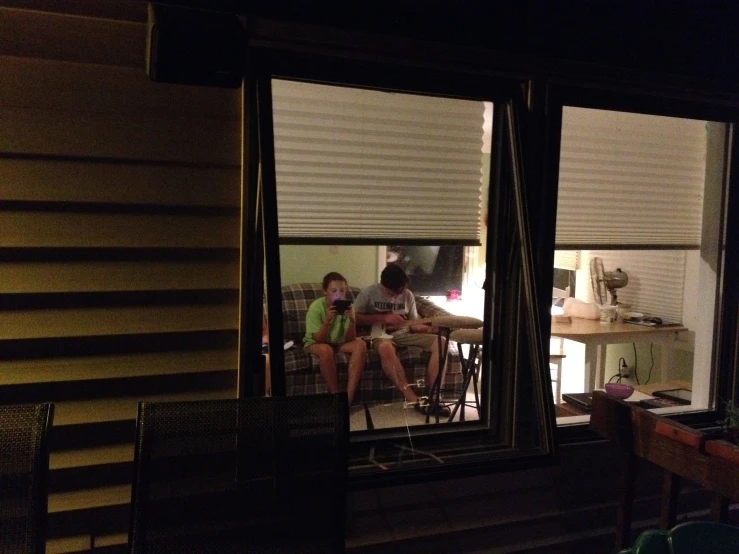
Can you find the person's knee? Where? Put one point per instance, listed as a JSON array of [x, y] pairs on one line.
[[323, 352], [359, 346], [386, 349]]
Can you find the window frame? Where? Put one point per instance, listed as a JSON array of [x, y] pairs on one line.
[[654, 99], [587, 80], [509, 451]]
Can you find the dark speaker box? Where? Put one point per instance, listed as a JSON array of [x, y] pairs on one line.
[[194, 47]]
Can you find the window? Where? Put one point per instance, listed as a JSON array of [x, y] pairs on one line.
[[349, 163], [644, 193], [518, 249]]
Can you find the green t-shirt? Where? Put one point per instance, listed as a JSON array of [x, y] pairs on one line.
[[314, 319]]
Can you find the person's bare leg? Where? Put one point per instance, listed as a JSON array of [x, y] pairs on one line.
[[357, 351], [433, 367], [326, 362], [394, 369], [267, 377]]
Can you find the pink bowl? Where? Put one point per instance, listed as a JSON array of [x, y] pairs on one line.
[[619, 391]]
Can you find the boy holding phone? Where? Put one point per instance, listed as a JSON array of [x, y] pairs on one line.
[[330, 327]]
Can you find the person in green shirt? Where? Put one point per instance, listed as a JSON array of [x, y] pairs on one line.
[[327, 331]]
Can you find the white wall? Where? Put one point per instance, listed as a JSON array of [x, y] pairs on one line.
[[309, 263]]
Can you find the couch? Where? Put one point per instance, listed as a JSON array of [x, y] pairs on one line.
[[302, 373]]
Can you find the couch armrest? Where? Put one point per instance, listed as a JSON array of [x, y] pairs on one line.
[[426, 308]]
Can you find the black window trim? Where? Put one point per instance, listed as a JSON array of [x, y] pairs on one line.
[[501, 454], [671, 102], [625, 92]]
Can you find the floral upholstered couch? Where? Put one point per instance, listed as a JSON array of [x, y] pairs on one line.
[[302, 374]]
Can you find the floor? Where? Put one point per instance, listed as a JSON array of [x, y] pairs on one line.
[[387, 416]]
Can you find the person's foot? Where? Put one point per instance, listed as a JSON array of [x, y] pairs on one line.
[[434, 409]]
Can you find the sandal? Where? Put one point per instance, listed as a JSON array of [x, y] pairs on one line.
[[434, 409]]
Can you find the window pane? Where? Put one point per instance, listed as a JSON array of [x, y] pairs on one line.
[[302, 270], [380, 167], [639, 195], [409, 172]]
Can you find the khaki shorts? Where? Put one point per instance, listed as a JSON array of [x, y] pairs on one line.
[[424, 341]]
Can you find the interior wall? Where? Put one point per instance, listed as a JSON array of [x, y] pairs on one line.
[[309, 263]]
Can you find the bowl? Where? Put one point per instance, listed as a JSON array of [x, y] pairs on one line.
[[619, 390]]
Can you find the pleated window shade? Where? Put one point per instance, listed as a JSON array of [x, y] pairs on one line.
[[363, 164], [656, 279], [630, 179], [567, 259]]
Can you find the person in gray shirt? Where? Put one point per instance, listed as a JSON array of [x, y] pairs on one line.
[[386, 306]]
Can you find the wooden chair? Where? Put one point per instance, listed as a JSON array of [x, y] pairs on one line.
[[556, 349], [255, 475], [24, 467]]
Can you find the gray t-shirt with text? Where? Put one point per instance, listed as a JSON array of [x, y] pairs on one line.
[[374, 300]]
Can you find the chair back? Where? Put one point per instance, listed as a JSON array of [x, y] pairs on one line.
[[24, 466], [694, 537], [255, 475]]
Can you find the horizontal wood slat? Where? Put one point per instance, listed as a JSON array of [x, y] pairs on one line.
[[124, 10], [46, 370], [93, 512], [64, 277], [64, 37], [116, 543], [64, 230], [124, 408], [109, 454], [65, 391], [30, 324], [92, 435], [80, 181], [103, 89], [119, 136], [90, 476], [119, 238], [93, 498]]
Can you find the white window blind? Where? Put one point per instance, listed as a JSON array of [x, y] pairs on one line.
[[567, 259], [656, 279], [354, 163], [630, 179]]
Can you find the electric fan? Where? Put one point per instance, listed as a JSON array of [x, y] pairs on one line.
[[603, 281]]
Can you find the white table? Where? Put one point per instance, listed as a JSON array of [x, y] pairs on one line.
[[596, 335]]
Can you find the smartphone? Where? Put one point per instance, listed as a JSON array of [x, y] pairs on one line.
[[341, 305]]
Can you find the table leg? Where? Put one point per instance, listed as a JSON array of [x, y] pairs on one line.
[[626, 500], [469, 370], [670, 497], [435, 392], [592, 352], [600, 367]]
